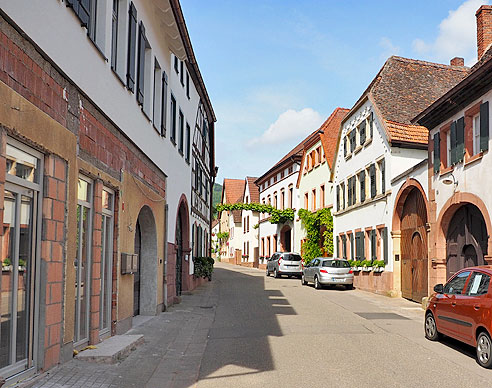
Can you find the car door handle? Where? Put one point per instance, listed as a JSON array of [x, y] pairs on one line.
[[476, 307]]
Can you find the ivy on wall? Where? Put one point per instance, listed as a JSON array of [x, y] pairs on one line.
[[277, 216], [313, 223]]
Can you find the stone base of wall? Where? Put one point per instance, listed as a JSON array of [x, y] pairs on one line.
[[247, 264], [262, 266], [377, 282]]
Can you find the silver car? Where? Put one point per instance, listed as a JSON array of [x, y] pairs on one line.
[[327, 271], [284, 263]]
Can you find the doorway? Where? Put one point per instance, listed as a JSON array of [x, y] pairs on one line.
[[136, 275], [285, 239], [179, 257]]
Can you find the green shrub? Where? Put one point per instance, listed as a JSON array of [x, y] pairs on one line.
[[6, 262], [366, 263], [204, 267]]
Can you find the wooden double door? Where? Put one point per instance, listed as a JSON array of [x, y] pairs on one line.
[[466, 240], [414, 259]]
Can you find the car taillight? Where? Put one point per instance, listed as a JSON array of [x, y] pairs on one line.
[[323, 270], [350, 271], [279, 261]]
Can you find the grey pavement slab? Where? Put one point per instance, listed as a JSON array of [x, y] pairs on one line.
[[112, 349]]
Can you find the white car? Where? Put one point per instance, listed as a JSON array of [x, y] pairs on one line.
[[328, 271]]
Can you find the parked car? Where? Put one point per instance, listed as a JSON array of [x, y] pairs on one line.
[[462, 309], [328, 271], [284, 263]]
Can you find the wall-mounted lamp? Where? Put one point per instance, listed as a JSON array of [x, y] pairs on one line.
[[450, 180]]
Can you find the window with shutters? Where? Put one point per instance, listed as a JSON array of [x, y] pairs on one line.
[[476, 134], [447, 161], [362, 132], [353, 141], [181, 133], [132, 48], [157, 103], [344, 246], [373, 245], [372, 179], [173, 120], [349, 192], [476, 129]]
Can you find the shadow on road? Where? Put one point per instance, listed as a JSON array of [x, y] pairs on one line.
[[246, 316]]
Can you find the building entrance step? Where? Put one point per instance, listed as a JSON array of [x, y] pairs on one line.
[[112, 350]]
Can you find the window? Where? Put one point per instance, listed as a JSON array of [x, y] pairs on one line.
[[382, 171], [313, 197], [362, 180], [306, 201], [455, 285], [476, 134], [188, 85], [157, 104], [373, 245], [275, 200], [188, 142], [164, 104], [176, 64], [448, 148], [322, 196], [372, 177], [352, 139], [132, 46], [478, 284], [173, 120], [362, 132], [181, 75], [359, 246], [247, 224], [244, 225], [342, 199], [106, 259], [338, 197], [263, 246], [144, 68], [291, 194], [282, 199], [181, 132], [344, 248], [114, 34]]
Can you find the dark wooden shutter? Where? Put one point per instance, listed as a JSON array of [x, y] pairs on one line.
[[362, 246], [372, 176], [132, 46], [373, 245], [141, 64], [337, 250], [349, 191], [344, 146], [453, 142], [352, 252], [484, 126], [344, 246], [84, 11], [371, 122], [460, 139], [362, 186], [362, 132], [385, 245], [383, 176], [437, 152], [164, 104], [354, 189], [357, 246]]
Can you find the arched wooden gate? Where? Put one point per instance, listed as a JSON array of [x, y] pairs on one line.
[[414, 262]]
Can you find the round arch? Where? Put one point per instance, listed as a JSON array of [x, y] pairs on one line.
[[401, 197], [286, 238], [182, 246], [147, 262]]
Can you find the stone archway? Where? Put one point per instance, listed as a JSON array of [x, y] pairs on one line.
[[182, 247], [147, 250], [286, 239]]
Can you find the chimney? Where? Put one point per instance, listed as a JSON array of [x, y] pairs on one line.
[[484, 29], [457, 61]]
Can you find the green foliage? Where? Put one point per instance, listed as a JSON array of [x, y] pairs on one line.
[[256, 226], [366, 263], [378, 263], [204, 267], [357, 263], [277, 216], [22, 263], [216, 198], [6, 262], [313, 222], [223, 236]]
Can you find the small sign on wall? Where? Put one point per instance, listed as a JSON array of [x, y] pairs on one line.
[[129, 263]]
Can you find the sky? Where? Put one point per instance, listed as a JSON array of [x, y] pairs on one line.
[[276, 69]]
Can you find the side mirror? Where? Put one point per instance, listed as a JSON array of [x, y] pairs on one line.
[[439, 288]]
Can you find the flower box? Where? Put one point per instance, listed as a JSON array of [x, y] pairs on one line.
[[367, 269], [7, 268], [356, 269]]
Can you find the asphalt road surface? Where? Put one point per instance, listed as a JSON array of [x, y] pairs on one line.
[[271, 332]]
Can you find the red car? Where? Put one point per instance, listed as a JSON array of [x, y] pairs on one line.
[[462, 309]]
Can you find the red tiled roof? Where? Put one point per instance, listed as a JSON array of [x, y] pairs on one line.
[[329, 137], [234, 191], [254, 190], [406, 133], [404, 87]]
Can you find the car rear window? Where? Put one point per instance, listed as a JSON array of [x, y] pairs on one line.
[[291, 257], [336, 263]]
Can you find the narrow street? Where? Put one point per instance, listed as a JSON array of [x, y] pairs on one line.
[[247, 330]]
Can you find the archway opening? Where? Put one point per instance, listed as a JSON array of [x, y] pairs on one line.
[[286, 239], [145, 281], [466, 239], [182, 247], [414, 260]]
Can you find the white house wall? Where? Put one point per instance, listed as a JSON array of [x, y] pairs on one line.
[[56, 30]]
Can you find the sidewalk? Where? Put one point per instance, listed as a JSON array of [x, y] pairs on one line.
[[174, 343]]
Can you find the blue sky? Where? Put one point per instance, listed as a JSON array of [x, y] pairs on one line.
[[276, 69]]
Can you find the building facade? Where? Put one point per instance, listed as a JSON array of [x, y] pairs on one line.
[[250, 221], [314, 182], [231, 221], [93, 234], [459, 142], [379, 145]]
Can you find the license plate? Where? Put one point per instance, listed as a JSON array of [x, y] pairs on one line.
[[337, 280]]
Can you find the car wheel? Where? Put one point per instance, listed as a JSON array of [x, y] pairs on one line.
[[317, 284], [431, 332], [267, 272], [303, 281], [275, 274], [484, 350], [349, 286]]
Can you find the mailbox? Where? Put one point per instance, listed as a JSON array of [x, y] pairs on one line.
[[129, 263]]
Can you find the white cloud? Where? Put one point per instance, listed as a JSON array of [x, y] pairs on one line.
[[388, 47], [456, 37], [289, 125]]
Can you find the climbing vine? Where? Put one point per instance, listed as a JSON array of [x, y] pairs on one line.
[[222, 236], [313, 223], [277, 216]]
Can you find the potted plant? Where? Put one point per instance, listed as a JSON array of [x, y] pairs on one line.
[[366, 265], [357, 265], [6, 265], [378, 265], [22, 265]]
